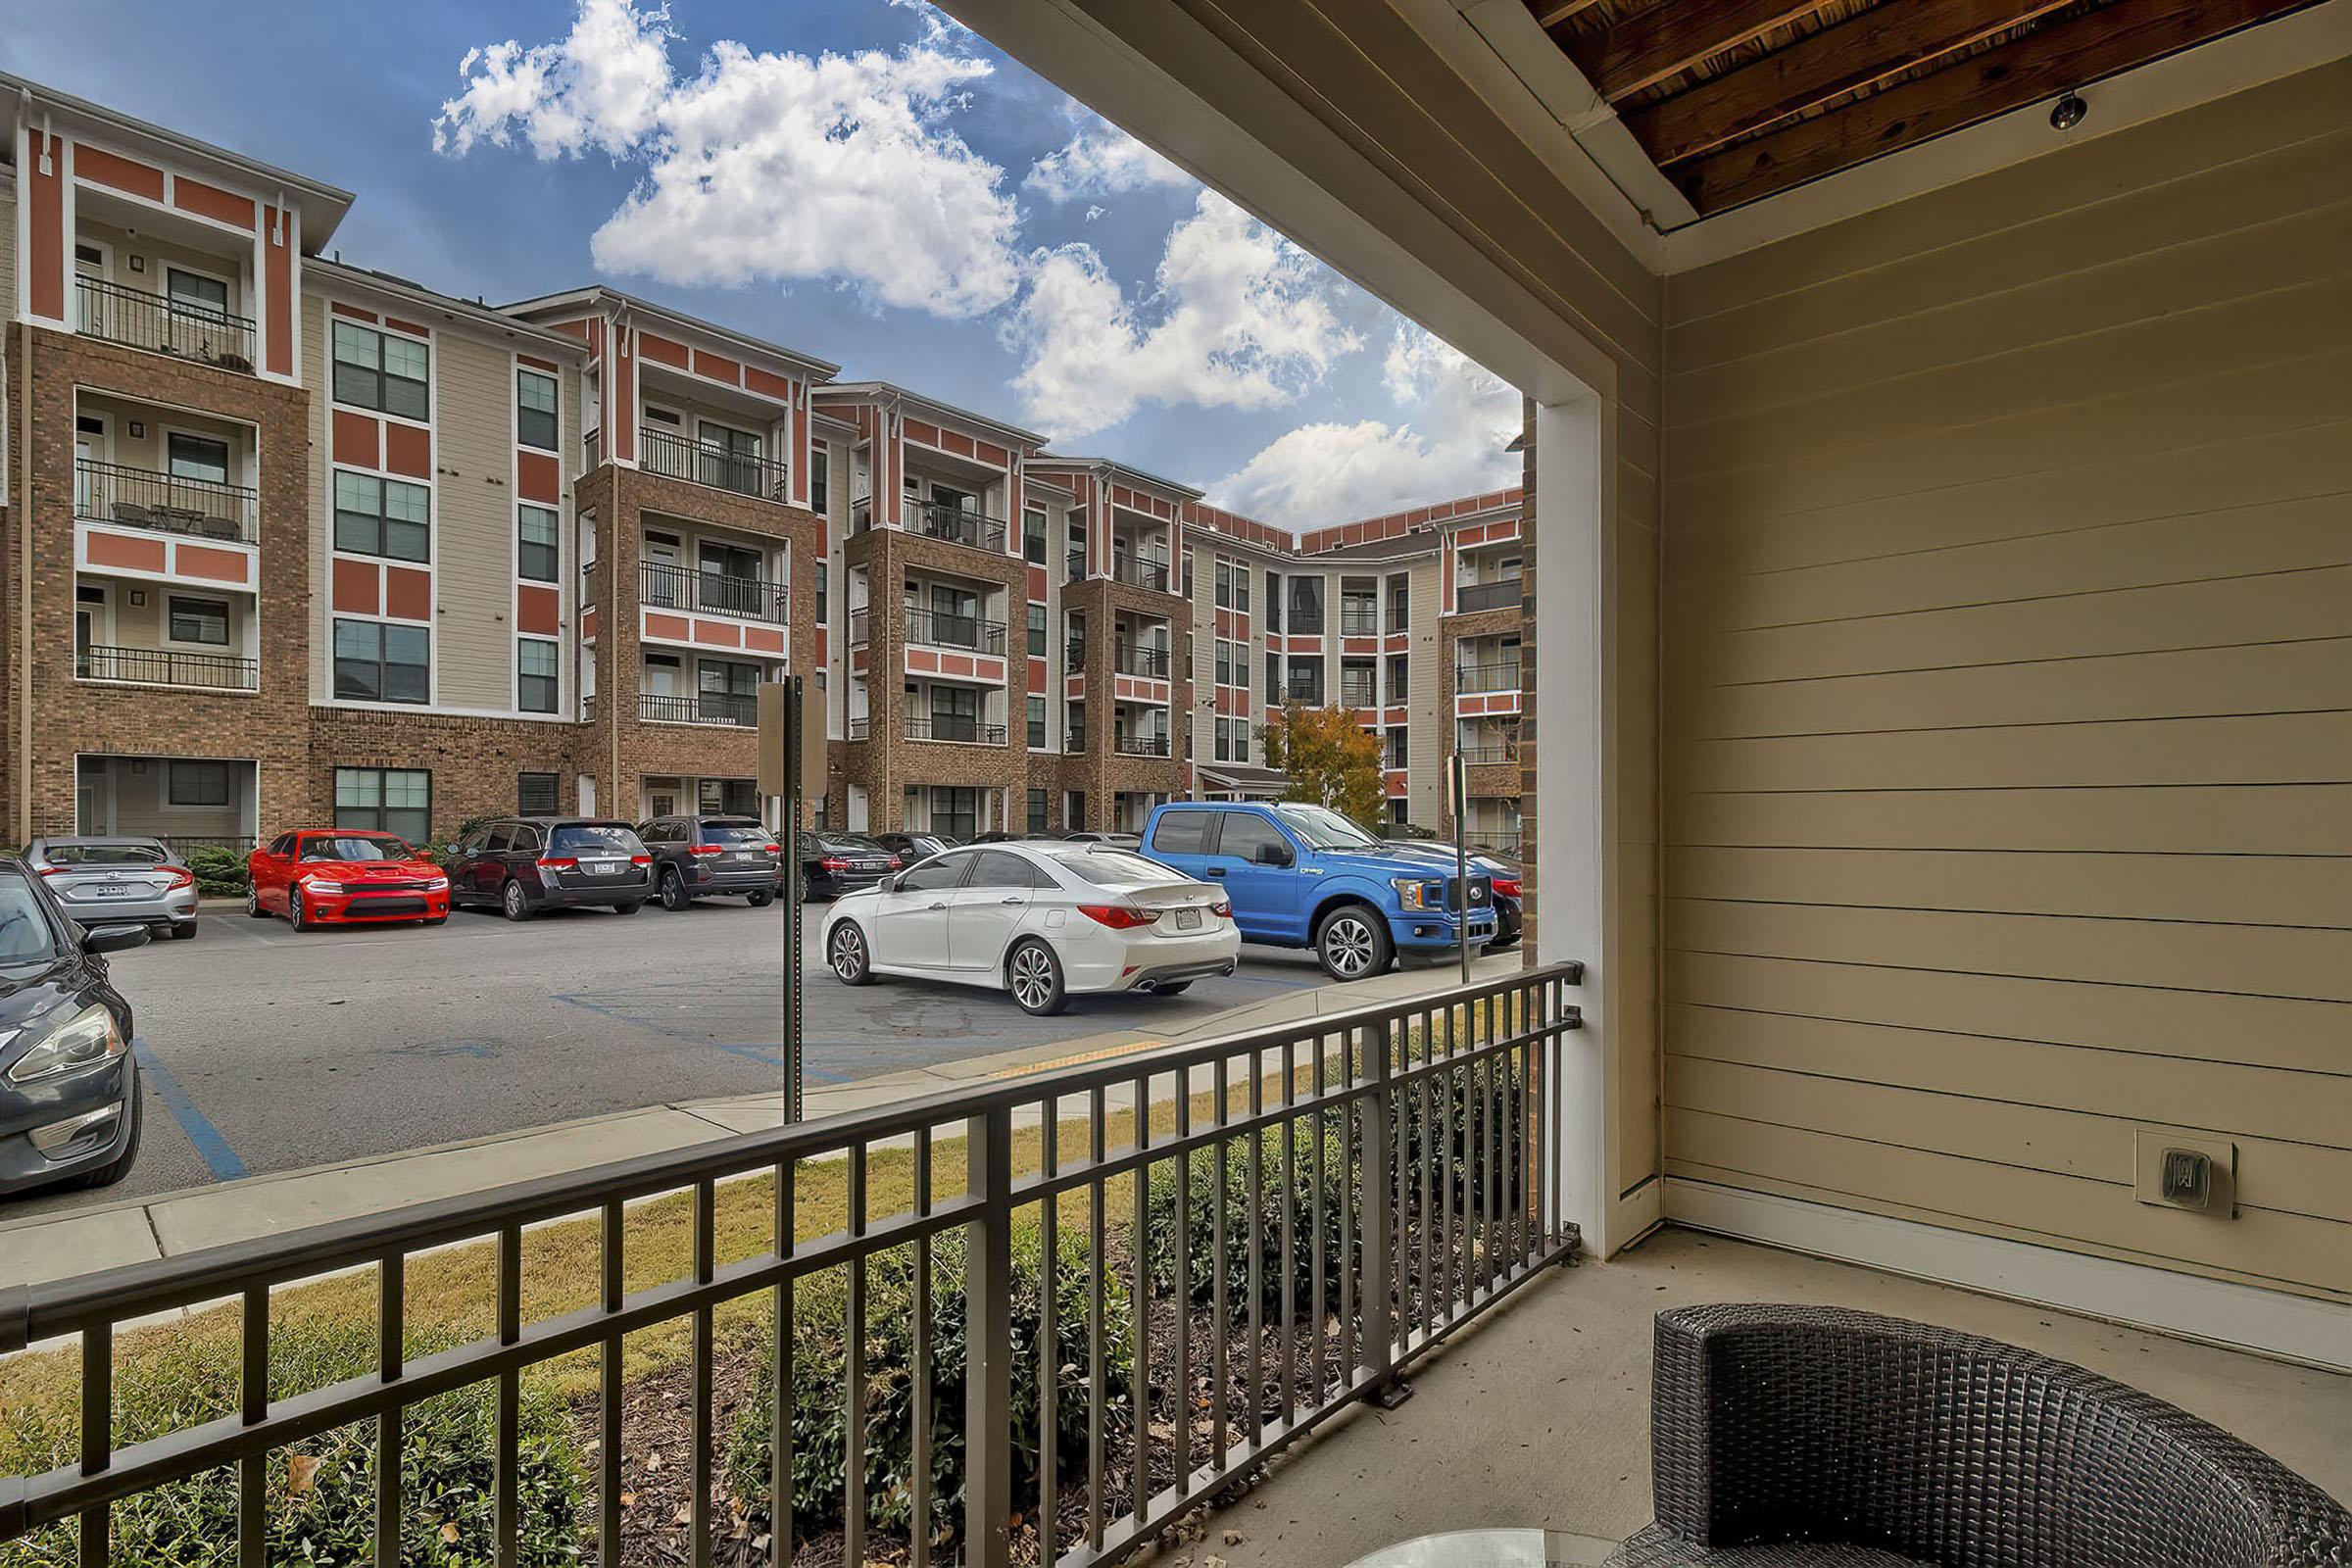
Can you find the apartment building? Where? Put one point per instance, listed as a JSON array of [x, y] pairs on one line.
[[289, 540]]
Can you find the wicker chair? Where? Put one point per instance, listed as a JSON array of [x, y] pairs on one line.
[[1799, 1437]]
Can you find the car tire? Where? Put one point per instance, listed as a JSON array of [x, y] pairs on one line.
[[1033, 975], [253, 906], [513, 902], [759, 900], [294, 914], [673, 890], [1352, 943], [629, 908], [847, 957], [119, 1167], [185, 931]]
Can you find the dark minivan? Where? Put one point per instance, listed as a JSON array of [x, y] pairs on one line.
[[523, 864], [706, 857]]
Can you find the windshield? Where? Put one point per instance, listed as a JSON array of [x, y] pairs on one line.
[[734, 833], [596, 837], [1116, 868], [1323, 828], [26, 934], [356, 847], [102, 855]]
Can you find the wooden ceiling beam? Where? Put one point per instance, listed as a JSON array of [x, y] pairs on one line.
[[1673, 36], [1550, 14], [1884, 41], [2042, 65]]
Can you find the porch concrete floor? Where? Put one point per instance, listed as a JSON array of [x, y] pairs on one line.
[[1540, 1415]]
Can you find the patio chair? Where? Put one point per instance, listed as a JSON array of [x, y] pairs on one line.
[[1801, 1437]]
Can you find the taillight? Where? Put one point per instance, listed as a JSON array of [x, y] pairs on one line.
[[893, 862], [773, 849], [834, 863], [641, 859], [704, 849], [181, 877], [1506, 887], [1117, 917], [52, 870], [1222, 909], [567, 864]]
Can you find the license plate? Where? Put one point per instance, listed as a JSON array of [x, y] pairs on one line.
[[1188, 919], [110, 889], [601, 868]]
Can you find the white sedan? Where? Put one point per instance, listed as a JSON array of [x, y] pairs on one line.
[[1041, 920]]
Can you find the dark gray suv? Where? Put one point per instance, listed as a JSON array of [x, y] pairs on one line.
[[712, 857]]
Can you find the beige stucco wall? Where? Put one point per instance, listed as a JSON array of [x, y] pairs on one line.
[[2010, 579]]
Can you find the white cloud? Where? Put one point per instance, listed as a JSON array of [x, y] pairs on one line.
[[1239, 317], [764, 165], [1460, 418], [1101, 160]]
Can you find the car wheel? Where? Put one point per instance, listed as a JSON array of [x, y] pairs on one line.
[[512, 901], [629, 908], [1033, 974], [1352, 942], [183, 932], [846, 954], [253, 906], [294, 915], [673, 890], [115, 1169], [759, 900]]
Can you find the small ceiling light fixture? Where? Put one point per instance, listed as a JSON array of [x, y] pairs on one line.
[[2068, 111]]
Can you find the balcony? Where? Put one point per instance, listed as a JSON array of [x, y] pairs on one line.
[[933, 519], [959, 728], [165, 667], [1140, 571], [1471, 598], [940, 629], [1140, 659], [1357, 694], [1359, 619], [666, 587], [144, 498], [1493, 675], [1140, 745], [728, 709], [162, 324], [675, 456]]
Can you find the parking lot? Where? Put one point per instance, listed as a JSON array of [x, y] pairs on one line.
[[267, 1050]]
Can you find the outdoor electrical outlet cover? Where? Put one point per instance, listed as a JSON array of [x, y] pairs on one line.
[[2183, 1170]]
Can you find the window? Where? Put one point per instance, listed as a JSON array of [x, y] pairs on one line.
[[1183, 832], [1398, 683], [536, 529], [196, 293], [376, 662], [197, 784], [196, 457], [1077, 543], [199, 620], [819, 478], [1037, 811], [1000, 868], [1245, 834], [1307, 681], [535, 793], [385, 799], [535, 410], [824, 614], [955, 811], [535, 674], [1224, 582], [378, 370], [1073, 809], [1224, 741], [1397, 748], [1033, 535], [1037, 631], [935, 875], [1036, 723], [1224, 663], [1240, 740], [382, 516], [1400, 603], [1273, 677]]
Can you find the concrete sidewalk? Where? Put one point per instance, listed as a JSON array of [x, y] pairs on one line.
[[85, 1241]]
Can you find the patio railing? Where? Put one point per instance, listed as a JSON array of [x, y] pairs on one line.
[[144, 498], [663, 586], [1471, 598], [939, 628], [179, 327], [938, 519], [1246, 1234], [956, 727], [676, 457], [167, 666], [698, 708]]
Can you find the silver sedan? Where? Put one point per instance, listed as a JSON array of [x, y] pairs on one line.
[[118, 880]]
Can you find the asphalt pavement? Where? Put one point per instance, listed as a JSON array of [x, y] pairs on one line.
[[267, 1050]]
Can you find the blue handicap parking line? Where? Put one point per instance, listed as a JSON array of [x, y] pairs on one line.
[[213, 1149]]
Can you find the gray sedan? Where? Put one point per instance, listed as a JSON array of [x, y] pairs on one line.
[[118, 880]]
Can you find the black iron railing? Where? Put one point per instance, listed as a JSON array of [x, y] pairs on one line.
[[1492, 675], [676, 457], [1139, 745], [698, 708], [938, 519], [179, 328], [1140, 659], [1471, 598], [1360, 620], [1141, 572], [957, 727], [945, 629], [1489, 755], [143, 497], [1356, 694], [183, 844], [716, 593], [165, 667]]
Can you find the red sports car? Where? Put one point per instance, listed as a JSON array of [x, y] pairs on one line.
[[325, 876]]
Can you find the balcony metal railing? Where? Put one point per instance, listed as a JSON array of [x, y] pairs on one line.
[[179, 328], [1313, 1210], [860, 626], [1140, 659], [1139, 745], [943, 629], [1308, 692], [677, 457], [1491, 754], [698, 708], [1141, 572], [165, 666], [936, 520], [860, 727], [1355, 694], [957, 727], [1360, 620], [713, 593], [1471, 598], [1489, 675], [144, 498]]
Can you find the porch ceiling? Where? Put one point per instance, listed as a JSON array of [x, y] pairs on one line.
[[1736, 101]]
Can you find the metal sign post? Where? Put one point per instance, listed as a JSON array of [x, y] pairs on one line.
[[1457, 790], [782, 748]]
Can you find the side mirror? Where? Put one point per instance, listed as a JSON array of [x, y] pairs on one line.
[[889, 884], [114, 938], [1272, 855]]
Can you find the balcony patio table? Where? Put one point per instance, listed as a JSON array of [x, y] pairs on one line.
[[1495, 1548]]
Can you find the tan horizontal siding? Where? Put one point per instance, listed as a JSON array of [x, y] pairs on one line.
[[2008, 662], [473, 533]]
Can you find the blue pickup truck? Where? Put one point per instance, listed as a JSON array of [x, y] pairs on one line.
[[1302, 877]]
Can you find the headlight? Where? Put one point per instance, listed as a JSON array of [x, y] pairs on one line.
[[320, 885], [1415, 893], [436, 884], [85, 1040]]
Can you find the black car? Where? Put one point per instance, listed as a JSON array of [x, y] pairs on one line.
[[913, 847], [707, 857], [834, 863], [522, 864], [68, 1085]]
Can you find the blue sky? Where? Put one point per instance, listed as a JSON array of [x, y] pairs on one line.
[[858, 178]]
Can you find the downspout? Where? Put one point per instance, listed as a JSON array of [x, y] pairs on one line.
[[24, 822]]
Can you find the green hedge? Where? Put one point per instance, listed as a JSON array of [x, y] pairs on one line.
[[220, 872], [447, 1451], [819, 1398]]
